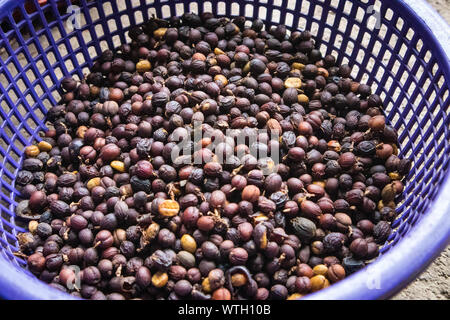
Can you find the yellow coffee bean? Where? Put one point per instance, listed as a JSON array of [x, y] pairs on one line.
[[160, 33], [293, 82], [118, 165], [295, 296], [94, 182], [238, 280], [319, 282], [81, 131], [298, 66], [206, 287], [44, 146], [143, 66], [169, 208], [320, 269], [160, 279], [323, 72], [221, 78], [32, 226], [395, 176], [218, 51], [319, 183], [302, 98], [32, 151], [188, 243]]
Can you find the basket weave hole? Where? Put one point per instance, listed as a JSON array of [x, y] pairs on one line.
[[355, 71], [348, 7], [318, 12], [69, 64], [291, 4], [124, 20], [73, 42], [30, 75], [399, 24], [92, 51], [331, 17], [22, 59], [262, 12], [207, 6], [116, 40], [410, 34], [305, 7], [138, 17], [343, 25], [59, 74], [193, 7], [112, 25], [302, 23], [396, 66], [334, 3], [389, 14], [179, 9], [275, 16], [411, 89], [289, 21], [338, 41], [418, 45], [12, 94], [107, 8], [444, 95], [366, 39], [412, 62], [379, 74], [48, 81], [166, 11], [402, 51], [79, 57], [393, 41], [51, 58], [427, 56], [44, 42], [435, 69], [235, 9], [100, 30], [30, 99], [277, 3], [12, 69]]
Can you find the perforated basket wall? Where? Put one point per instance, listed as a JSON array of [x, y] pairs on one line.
[[390, 48]]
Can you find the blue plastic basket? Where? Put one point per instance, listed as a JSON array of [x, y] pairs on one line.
[[401, 48]]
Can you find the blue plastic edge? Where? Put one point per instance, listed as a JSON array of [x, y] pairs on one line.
[[7, 6]]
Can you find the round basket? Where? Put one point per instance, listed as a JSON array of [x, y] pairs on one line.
[[400, 48]]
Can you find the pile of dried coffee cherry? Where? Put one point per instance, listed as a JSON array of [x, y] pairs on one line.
[[113, 215]]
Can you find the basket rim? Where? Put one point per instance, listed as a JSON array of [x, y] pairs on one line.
[[416, 250]]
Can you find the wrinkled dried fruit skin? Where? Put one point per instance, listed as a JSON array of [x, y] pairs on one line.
[[381, 232], [333, 242], [304, 228]]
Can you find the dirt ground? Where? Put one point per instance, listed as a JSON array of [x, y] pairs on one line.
[[434, 283]]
